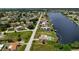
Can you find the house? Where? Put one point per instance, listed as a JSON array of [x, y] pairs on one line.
[[4, 18], [17, 23], [1, 46], [43, 38], [13, 24], [10, 29], [1, 34], [28, 24], [46, 28], [12, 46], [78, 17], [18, 28], [44, 23]]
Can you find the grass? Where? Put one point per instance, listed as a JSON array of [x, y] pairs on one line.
[[21, 48], [14, 36], [49, 46]]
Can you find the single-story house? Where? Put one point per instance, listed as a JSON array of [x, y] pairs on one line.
[[78, 17], [19, 28], [44, 23], [43, 38], [12, 46], [1, 46], [1, 34], [46, 28], [10, 29]]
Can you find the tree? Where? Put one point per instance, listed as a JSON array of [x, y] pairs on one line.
[[31, 26], [58, 46], [10, 40], [66, 47], [75, 45], [4, 27], [75, 19], [1, 15], [34, 20], [19, 37]]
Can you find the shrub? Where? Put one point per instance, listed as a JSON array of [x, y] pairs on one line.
[[66, 47]]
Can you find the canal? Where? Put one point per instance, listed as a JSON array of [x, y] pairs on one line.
[[66, 30]]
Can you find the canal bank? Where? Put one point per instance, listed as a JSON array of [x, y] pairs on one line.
[[66, 30]]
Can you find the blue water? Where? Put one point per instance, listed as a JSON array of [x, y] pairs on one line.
[[66, 30]]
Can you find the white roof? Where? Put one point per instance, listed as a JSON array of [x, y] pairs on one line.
[[43, 37], [45, 27], [10, 47], [1, 45]]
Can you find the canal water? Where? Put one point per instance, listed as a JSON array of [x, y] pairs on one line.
[[66, 30]]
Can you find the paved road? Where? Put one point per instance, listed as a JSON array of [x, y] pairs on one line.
[[18, 31], [29, 44]]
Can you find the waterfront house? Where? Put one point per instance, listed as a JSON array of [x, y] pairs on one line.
[[44, 23], [43, 38], [78, 17], [46, 28]]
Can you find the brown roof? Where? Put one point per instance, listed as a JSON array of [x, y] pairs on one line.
[[12, 46]]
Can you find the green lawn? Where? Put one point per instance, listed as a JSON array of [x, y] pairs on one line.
[[14, 36], [49, 46], [21, 48]]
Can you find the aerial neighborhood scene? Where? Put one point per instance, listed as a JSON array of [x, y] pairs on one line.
[[39, 29]]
